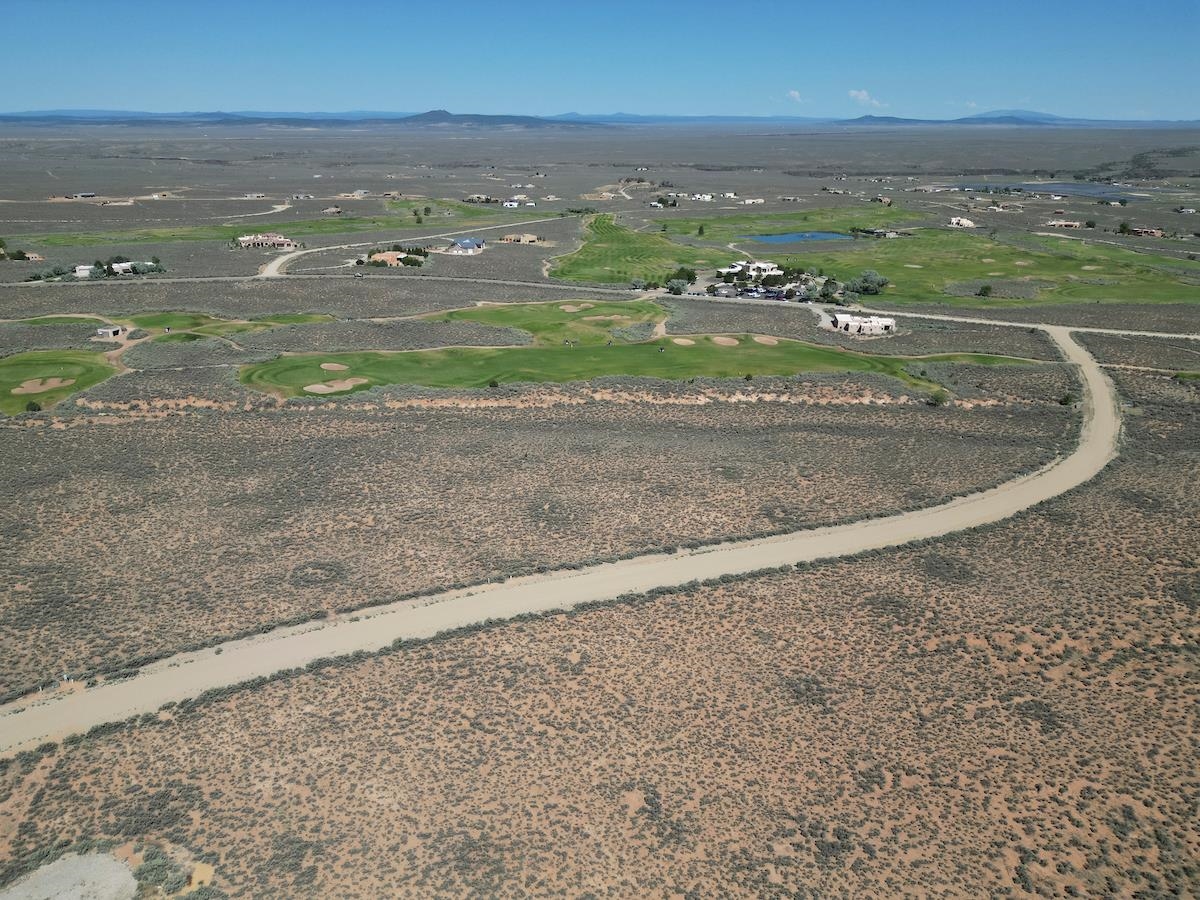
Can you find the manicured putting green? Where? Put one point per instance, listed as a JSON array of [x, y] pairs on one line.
[[47, 377], [595, 350]]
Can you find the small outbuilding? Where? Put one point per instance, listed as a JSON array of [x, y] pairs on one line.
[[109, 331], [520, 239]]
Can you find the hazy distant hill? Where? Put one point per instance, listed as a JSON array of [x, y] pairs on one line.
[[440, 118], [432, 119]]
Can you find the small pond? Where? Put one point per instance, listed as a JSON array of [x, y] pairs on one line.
[[795, 237]]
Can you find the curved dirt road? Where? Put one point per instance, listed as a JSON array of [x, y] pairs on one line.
[[27, 722]]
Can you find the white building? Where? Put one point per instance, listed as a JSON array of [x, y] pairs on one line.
[[84, 271], [270, 240], [754, 269], [255, 195], [870, 325], [109, 331], [1063, 223], [960, 222], [763, 269], [753, 201]]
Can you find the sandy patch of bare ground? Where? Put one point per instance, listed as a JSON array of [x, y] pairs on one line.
[[1005, 711]]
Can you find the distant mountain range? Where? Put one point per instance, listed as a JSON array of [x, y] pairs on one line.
[[440, 118]]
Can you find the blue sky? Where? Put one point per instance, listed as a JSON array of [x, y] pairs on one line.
[[1094, 58]]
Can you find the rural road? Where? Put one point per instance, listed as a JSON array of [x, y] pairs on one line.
[[29, 721]]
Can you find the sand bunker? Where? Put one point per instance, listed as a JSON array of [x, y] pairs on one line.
[[332, 387], [96, 876], [763, 339], [1090, 268], [995, 273], [576, 307], [41, 385], [334, 367], [987, 259], [683, 342], [1022, 262], [725, 341], [912, 266], [603, 318]]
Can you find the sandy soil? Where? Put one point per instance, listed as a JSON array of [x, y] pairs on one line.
[[41, 385], [683, 342], [188, 674], [600, 318], [764, 339], [333, 387], [334, 367], [575, 307], [725, 341], [92, 877]]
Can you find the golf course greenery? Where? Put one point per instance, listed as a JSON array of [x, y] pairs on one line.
[[733, 229], [925, 265], [183, 324], [46, 377], [613, 254], [578, 341]]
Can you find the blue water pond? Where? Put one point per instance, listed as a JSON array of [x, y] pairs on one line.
[[795, 237]]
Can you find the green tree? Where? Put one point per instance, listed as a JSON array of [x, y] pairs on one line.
[[700, 231], [985, 290]]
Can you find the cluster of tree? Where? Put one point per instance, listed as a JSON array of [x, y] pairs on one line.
[[102, 269], [869, 282], [666, 201], [5, 253], [1121, 202], [677, 282], [580, 211]]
